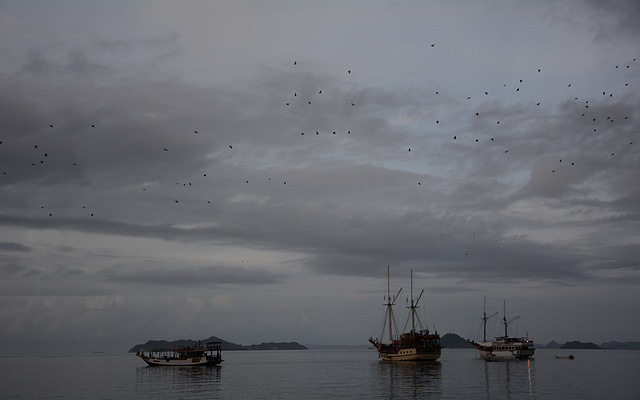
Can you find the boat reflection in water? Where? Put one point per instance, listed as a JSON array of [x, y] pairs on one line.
[[509, 380], [408, 379]]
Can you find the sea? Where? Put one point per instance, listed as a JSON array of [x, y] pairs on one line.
[[325, 374]]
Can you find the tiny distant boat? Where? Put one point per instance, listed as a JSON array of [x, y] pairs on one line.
[[196, 355], [569, 357], [414, 345], [503, 348]]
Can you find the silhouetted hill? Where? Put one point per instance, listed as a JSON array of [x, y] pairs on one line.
[[551, 345], [168, 345], [337, 346], [277, 346], [453, 341], [579, 345], [621, 346]]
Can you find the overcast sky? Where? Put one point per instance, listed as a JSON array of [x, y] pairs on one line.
[[249, 169]]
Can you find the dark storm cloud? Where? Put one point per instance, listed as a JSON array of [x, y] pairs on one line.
[[614, 18], [9, 268], [12, 246], [204, 276], [201, 146], [157, 146]]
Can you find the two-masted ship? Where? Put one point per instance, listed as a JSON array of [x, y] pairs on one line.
[[503, 348], [417, 344], [198, 354]]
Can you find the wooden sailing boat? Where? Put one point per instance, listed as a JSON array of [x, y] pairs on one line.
[[414, 345], [503, 348], [197, 355]]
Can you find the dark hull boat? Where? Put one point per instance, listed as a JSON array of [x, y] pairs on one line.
[[414, 345], [197, 355]]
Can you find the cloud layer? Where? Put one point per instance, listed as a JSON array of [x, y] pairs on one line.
[[254, 179]]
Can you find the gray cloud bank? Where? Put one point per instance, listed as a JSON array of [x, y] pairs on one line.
[[131, 191]]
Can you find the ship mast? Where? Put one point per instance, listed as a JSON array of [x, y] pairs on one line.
[[484, 320], [413, 308], [413, 314], [389, 304], [504, 317]]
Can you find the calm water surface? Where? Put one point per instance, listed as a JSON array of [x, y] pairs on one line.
[[325, 374]]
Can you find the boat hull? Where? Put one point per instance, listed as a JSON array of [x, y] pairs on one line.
[[504, 356], [198, 355], [505, 350], [410, 347], [168, 362], [411, 354]]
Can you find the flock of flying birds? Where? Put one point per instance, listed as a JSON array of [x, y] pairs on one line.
[[296, 98], [594, 118]]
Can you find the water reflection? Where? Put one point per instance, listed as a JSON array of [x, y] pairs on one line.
[[408, 379], [183, 381], [509, 379]]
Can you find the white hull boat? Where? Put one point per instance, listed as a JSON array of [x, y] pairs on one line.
[[504, 348]]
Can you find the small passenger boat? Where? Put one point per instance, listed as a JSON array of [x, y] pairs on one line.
[[569, 357], [197, 355]]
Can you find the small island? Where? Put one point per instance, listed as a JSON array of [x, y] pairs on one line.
[[579, 345], [168, 345]]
